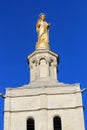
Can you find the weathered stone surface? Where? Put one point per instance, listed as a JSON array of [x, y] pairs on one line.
[[43, 103], [43, 66]]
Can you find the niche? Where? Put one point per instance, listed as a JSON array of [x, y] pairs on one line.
[[43, 67]]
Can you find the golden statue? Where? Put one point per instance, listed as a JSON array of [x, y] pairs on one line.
[[42, 29]]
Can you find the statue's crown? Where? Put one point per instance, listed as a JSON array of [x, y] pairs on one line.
[[42, 14]]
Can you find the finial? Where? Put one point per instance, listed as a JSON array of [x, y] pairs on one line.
[[42, 28]]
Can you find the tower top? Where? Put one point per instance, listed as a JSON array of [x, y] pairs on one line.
[[42, 29], [43, 62]]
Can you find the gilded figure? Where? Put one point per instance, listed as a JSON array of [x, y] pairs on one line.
[[42, 28]]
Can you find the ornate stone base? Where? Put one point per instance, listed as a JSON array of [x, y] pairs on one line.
[[43, 65]]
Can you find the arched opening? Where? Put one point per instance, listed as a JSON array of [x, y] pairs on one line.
[[30, 124], [43, 67], [51, 68], [57, 123]]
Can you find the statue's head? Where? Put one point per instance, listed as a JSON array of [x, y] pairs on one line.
[[42, 16]]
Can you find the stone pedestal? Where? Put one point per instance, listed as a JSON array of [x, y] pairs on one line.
[[43, 66]]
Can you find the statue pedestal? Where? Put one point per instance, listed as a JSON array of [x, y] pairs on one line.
[[43, 66], [42, 45]]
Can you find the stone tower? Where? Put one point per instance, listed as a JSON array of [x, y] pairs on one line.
[[45, 103]]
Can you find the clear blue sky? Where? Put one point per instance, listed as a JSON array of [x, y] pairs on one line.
[[68, 38]]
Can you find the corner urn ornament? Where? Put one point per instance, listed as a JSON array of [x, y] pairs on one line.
[[42, 29]]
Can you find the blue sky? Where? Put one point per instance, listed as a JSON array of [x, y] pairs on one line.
[[68, 38]]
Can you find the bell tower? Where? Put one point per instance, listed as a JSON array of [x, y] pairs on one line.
[[44, 103]]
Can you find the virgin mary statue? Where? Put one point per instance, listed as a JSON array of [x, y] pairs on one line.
[[42, 28]]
